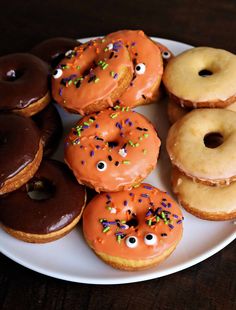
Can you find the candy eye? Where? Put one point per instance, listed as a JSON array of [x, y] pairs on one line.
[[101, 165], [140, 68], [166, 55], [150, 239], [110, 46], [57, 73], [69, 53], [131, 242]]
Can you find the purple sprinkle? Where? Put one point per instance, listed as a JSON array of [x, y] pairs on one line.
[[85, 126], [97, 147], [148, 213], [125, 202], [122, 134], [127, 121], [163, 204], [96, 125], [91, 153], [148, 187], [179, 221], [76, 141], [123, 227], [158, 209], [131, 194], [171, 226], [151, 203], [81, 146], [108, 196], [140, 200], [60, 91], [112, 223], [108, 201], [118, 125], [115, 76], [144, 195], [82, 162], [130, 124], [133, 43], [175, 216], [119, 233], [169, 205]]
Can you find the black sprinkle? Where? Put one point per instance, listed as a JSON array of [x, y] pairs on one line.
[[144, 97], [111, 55], [164, 235], [93, 118], [135, 61], [116, 56], [117, 163], [109, 157], [63, 82], [136, 54], [129, 211], [77, 85]]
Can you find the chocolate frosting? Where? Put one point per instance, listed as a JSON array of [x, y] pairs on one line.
[[19, 144], [23, 80], [49, 123], [53, 50], [19, 212]]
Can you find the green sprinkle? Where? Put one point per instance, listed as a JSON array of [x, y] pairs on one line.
[[163, 215], [127, 109], [131, 143], [86, 123], [106, 229], [126, 162], [136, 185], [149, 222], [117, 107], [101, 220], [140, 138], [157, 218], [123, 221], [112, 73], [96, 80], [108, 208], [104, 66], [136, 144], [145, 135], [91, 120], [119, 239], [65, 67], [114, 115], [103, 40], [78, 67], [105, 49], [70, 82], [123, 109]]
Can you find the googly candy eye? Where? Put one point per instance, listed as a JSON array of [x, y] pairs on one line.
[[166, 55], [131, 242], [140, 68], [150, 239], [101, 165], [69, 53], [110, 46], [57, 73]]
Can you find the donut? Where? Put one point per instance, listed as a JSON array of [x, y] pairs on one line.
[[110, 150], [21, 151], [49, 123], [175, 111], [202, 77], [201, 145], [53, 50], [46, 208], [92, 77], [203, 201], [135, 229], [23, 84], [148, 67]]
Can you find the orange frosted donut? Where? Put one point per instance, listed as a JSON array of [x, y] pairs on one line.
[[92, 76], [134, 229], [148, 67], [110, 150]]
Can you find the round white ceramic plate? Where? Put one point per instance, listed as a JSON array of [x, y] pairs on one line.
[[71, 259]]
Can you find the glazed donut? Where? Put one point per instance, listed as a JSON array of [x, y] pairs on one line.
[[50, 126], [53, 50], [206, 202], [201, 145], [110, 150], [148, 67], [46, 208], [175, 111], [133, 230], [23, 84], [202, 77], [92, 76], [21, 151]]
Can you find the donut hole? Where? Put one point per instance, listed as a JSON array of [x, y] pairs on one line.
[[205, 73], [13, 75], [213, 139], [132, 222], [40, 189]]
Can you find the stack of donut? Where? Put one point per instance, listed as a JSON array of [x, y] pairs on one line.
[[129, 224]]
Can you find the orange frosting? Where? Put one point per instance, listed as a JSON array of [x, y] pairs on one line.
[[119, 138], [142, 51], [111, 218], [89, 73]]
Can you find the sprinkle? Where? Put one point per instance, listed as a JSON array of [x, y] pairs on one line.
[[179, 222], [149, 222], [114, 115], [116, 163], [82, 162], [115, 76], [157, 218], [112, 73], [164, 235], [145, 135], [96, 125], [109, 157], [131, 194], [127, 121], [119, 239], [104, 66], [118, 125], [171, 226], [145, 195], [106, 229], [125, 202], [60, 92], [136, 185], [108, 196], [163, 204], [149, 212], [91, 153], [144, 151], [96, 80], [126, 162], [78, 67], [140, 200], [175, 216], [148, 187]]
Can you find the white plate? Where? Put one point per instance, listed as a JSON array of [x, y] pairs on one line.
[[71, 259]]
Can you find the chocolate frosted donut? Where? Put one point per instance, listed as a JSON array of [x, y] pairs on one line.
[[23, 84], [20, 151], [53, 50], [49, 123], [46, 208]]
